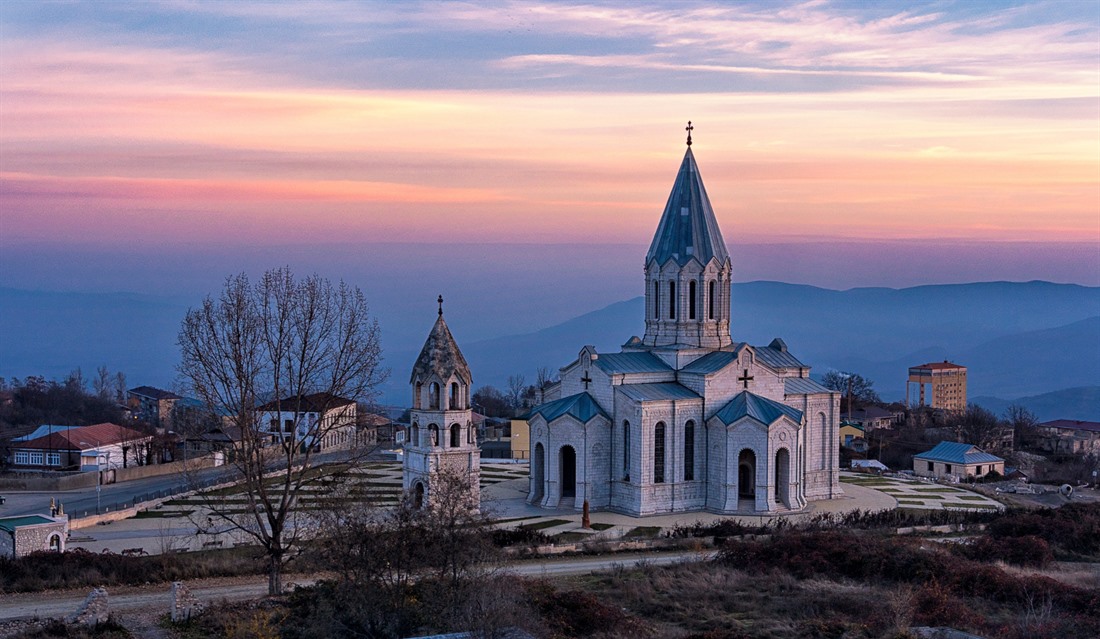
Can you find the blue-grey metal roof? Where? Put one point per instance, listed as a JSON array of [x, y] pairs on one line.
[[803, 386], [581, 407], [956, 453], [688, 229], [612, 363], [776, 358], [762, 409], [11, 523], [657, 392], [712, 362]]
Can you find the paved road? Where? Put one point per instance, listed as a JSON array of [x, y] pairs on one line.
[[141, 599]]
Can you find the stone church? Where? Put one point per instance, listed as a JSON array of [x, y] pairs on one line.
[[685, 418]]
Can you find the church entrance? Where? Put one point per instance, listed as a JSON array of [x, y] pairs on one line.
[[746, 475], [568, 471], [538, 474], [418, 495], [783, 477]]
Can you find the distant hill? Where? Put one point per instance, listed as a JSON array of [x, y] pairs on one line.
[[1070, 403], [1018, 339]]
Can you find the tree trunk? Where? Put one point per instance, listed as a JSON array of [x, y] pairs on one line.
[[274, 576]]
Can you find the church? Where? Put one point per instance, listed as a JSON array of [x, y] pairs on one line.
[[685, 418]]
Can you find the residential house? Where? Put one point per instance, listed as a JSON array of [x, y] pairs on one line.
[[871, 417], [853, 436], [98, 447], [321, 421], [1071, 436], [957, 460], [152, 405]]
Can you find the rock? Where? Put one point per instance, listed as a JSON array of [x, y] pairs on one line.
[[95, 609], [183, 602]]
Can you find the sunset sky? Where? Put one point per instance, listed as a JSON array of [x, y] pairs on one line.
[[200, 122]]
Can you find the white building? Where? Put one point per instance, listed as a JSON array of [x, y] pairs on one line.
[[685, 418], [322, 421], [442, 436]]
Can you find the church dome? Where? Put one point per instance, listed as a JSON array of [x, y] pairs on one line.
[[688, 229]]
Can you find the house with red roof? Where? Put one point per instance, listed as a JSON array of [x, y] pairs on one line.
[[1073, 436], [96, 447]]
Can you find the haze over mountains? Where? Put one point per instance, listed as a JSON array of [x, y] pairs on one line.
[[1018, 339]]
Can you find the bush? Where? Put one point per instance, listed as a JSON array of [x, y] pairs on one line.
[[1028, 550]]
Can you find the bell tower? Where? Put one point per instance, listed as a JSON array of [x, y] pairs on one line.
[[441, 452], [688, 269]]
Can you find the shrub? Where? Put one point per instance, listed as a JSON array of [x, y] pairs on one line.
[[1028, 550]]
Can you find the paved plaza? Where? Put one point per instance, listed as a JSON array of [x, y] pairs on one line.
[[182, 524]]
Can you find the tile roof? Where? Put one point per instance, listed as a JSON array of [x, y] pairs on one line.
[[803, 386], [581, 407], [762, 409], [712, 362], [612, 363], [42, 431], [944, 365], [315, 403], [86, 437], [657, 392], [688, 229], [1072, 424], [957, 453]]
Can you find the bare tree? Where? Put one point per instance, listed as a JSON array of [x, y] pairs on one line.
[[288, 342], [102, 383], [516, 385], [120, 386], [543, 377], [860, 388], [978, 426], [1024, 425]]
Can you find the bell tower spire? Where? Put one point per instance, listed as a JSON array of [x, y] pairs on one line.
[[688, 268]]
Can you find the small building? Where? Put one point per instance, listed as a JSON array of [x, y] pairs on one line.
[[871, 417], [321, 421], [20, 536], [1070, 436], [945, 381], [152, 405], [958, 460], [868, 466], [104, 446], [851, 434]]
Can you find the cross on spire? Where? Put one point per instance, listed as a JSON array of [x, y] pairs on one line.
[[689, 129], [586, 379], [746, 378], [440, 300]]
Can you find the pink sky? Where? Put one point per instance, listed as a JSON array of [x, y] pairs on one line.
[[812, 121]]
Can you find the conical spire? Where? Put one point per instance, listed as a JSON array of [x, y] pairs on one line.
[[440, 355], [688, 228]]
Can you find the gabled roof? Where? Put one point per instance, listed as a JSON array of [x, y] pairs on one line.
[[688, 229], [775, 355], [657, 392], [956, 453], [42, 431], [85, 437], [11, 523], [762, 409], [440, 356], [581, 407], [713, 362], [939, 366], [612, 363], [803, 386], [315, 403], [153, 393], [870, 412]]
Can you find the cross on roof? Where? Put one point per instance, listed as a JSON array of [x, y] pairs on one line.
[[689, 129], [746, 378], [440, 300], [586, 379]]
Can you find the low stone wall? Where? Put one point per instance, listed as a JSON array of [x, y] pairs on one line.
[[43, 482], [155, 470]]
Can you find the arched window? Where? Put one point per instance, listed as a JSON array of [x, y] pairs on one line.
[[691, 299], [656, 300], [470, 433], [455, 401], [626, 450], [826, 450], [433, 396], [55, 543], [416, 397], [710, 300], [433, 431], [672, 300], [414, 437], [689, 451], [659, 453], [456, 435]]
